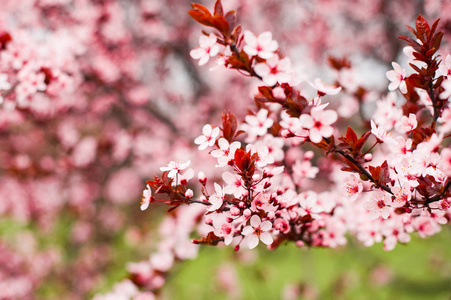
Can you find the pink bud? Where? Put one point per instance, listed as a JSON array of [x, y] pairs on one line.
[[241, 204], [208, 221], [299, 243], [237, 247], [202, 178], [189, 194], [271, 215], [247, 213], [235, 211], [368, 157], [308, 155]]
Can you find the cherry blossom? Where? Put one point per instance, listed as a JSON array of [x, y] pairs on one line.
[[318, 123], [257, 231], [216, 200], [146, 198], [226, 151], [259, 124], [397, 78], [263, 45], [175, 167], [208, 47], [274, 70], [379, 205], [208, 138], [353, 188], [324, 88]]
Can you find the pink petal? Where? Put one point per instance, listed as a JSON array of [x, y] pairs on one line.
[[266, 225], [252, 241], [266, 238], [315, 135], [255, 221], [247, 230]]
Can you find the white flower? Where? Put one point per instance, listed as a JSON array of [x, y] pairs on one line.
[[324, 88], [397, 78], [263, 45], [207, 48], [217, 198], [145, 201], [274, 70], [226, 152], [174, 168], [208, 138], [318, 123], [258, 230], [259, 124]]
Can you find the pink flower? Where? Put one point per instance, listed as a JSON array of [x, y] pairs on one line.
[[445, 67], [217, 198], [208, 138], [258, 230], [259, 124], [274, 70], [264, 157], [263, 45], [379, 205], [353, 188], [324, 88], [174, 168], [147, 195], [309, 205], [226, 231], [407, 124], [397, 78], [378, 132], [318, 123], [208, 48], [226, 152], [234, 184], [446, 84]]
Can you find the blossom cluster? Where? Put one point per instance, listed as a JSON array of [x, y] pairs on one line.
[[397, 186]]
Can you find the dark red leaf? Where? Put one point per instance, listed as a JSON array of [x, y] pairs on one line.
[[423, 29], [241, 160], [351, 137], [231, 19], [218, 8]]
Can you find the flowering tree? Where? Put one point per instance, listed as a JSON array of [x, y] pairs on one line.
[[94, 97], [380, 185]]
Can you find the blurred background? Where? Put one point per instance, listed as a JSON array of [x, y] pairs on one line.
[[96, 95]]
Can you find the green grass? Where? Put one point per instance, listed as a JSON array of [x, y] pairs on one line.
[[419, 270]]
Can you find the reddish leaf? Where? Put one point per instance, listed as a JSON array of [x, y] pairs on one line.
[[210, 239], [241, 160], [362, 140], [384, 173], [351, 137], [423, 29], [201, 14], [218, 8], [231, 19], [220, 23]]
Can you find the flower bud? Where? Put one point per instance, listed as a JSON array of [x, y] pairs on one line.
[[208, 221], [235, 211], [368, 157], [308, 155], [202, 178], [189, 194], [247, 213]]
